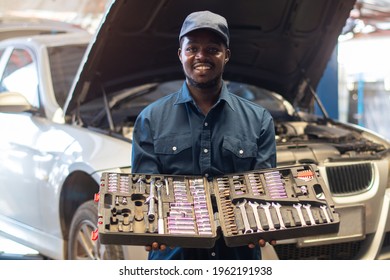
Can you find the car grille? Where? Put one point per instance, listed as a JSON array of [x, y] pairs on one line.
[[347, 179], [340, 251]]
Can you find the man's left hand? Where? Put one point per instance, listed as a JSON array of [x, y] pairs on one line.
[[262, 243]]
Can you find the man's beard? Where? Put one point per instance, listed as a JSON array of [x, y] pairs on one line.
[[207, 85]]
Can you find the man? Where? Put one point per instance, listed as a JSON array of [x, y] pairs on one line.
[[203, 129]]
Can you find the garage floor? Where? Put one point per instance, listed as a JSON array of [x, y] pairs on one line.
[[10, 250]]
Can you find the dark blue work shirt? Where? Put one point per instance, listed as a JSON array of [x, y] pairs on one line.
[[172, 136]]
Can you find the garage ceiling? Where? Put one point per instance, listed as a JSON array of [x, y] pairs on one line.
[[84, 13], [370, 18]]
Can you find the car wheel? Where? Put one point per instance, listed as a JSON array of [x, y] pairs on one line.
[[81, 246]]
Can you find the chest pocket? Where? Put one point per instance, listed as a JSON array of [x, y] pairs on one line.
[[239, 153], [240, 148], [175, 153]]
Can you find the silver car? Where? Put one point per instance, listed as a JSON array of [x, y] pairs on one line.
[[56, 145]]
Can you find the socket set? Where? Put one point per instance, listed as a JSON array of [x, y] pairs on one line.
[[192, 212]]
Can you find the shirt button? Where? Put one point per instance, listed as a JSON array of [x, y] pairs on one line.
[[206, 124], [241, 152], [205, 151], [206, 175], [174, 148]]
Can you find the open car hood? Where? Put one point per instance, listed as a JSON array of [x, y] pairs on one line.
[[280, 45]]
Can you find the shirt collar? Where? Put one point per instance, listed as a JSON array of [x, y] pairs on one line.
[[184, 95]]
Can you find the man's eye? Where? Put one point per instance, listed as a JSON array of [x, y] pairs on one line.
[[190, 49], [213, 50]]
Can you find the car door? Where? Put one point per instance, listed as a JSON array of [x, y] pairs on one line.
[[20, 176]]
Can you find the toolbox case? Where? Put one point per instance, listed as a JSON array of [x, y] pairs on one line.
[[192, 212]]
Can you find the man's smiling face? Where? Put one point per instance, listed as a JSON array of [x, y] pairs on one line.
[[203, 56]]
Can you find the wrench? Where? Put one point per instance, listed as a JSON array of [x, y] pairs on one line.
[[151, 200], [166, 186], [268, 214], [254, 206], [308, 210], [323, 207], [160, 222], [299, 210], [244, 216], [141, 185], [277, 208]]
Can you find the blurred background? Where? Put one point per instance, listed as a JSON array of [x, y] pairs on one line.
[[358, 74], [84, 13], [360, 62]]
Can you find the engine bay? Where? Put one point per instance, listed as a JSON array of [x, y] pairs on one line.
[[304, 142]]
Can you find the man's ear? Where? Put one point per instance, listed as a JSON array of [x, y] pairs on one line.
[[179, 53], [228, 54]]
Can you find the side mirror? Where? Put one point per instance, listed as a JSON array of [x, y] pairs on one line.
[[13, 102]]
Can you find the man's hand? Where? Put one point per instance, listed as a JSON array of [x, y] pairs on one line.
[[262, 243], [155, 246]]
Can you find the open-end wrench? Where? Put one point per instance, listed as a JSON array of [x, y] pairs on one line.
[[241, 205], [308, 210], [160, 222], [268, 215], [323, 208], [254, 206], [299, 210], [277, 208]]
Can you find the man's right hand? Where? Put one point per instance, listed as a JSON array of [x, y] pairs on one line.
[[155, 246]]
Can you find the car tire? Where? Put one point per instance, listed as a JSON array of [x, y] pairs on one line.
[[81, 246]]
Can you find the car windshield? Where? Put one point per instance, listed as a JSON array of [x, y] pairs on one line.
[[64, 62]]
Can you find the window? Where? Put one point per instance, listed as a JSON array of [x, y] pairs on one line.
[[64, 62], [20, 75]]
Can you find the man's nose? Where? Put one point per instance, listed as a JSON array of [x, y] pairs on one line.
[[201, 53]]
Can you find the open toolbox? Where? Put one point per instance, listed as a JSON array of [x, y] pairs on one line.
[[191, 211]]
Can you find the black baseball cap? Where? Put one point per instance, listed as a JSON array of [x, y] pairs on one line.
[[206, 20]]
